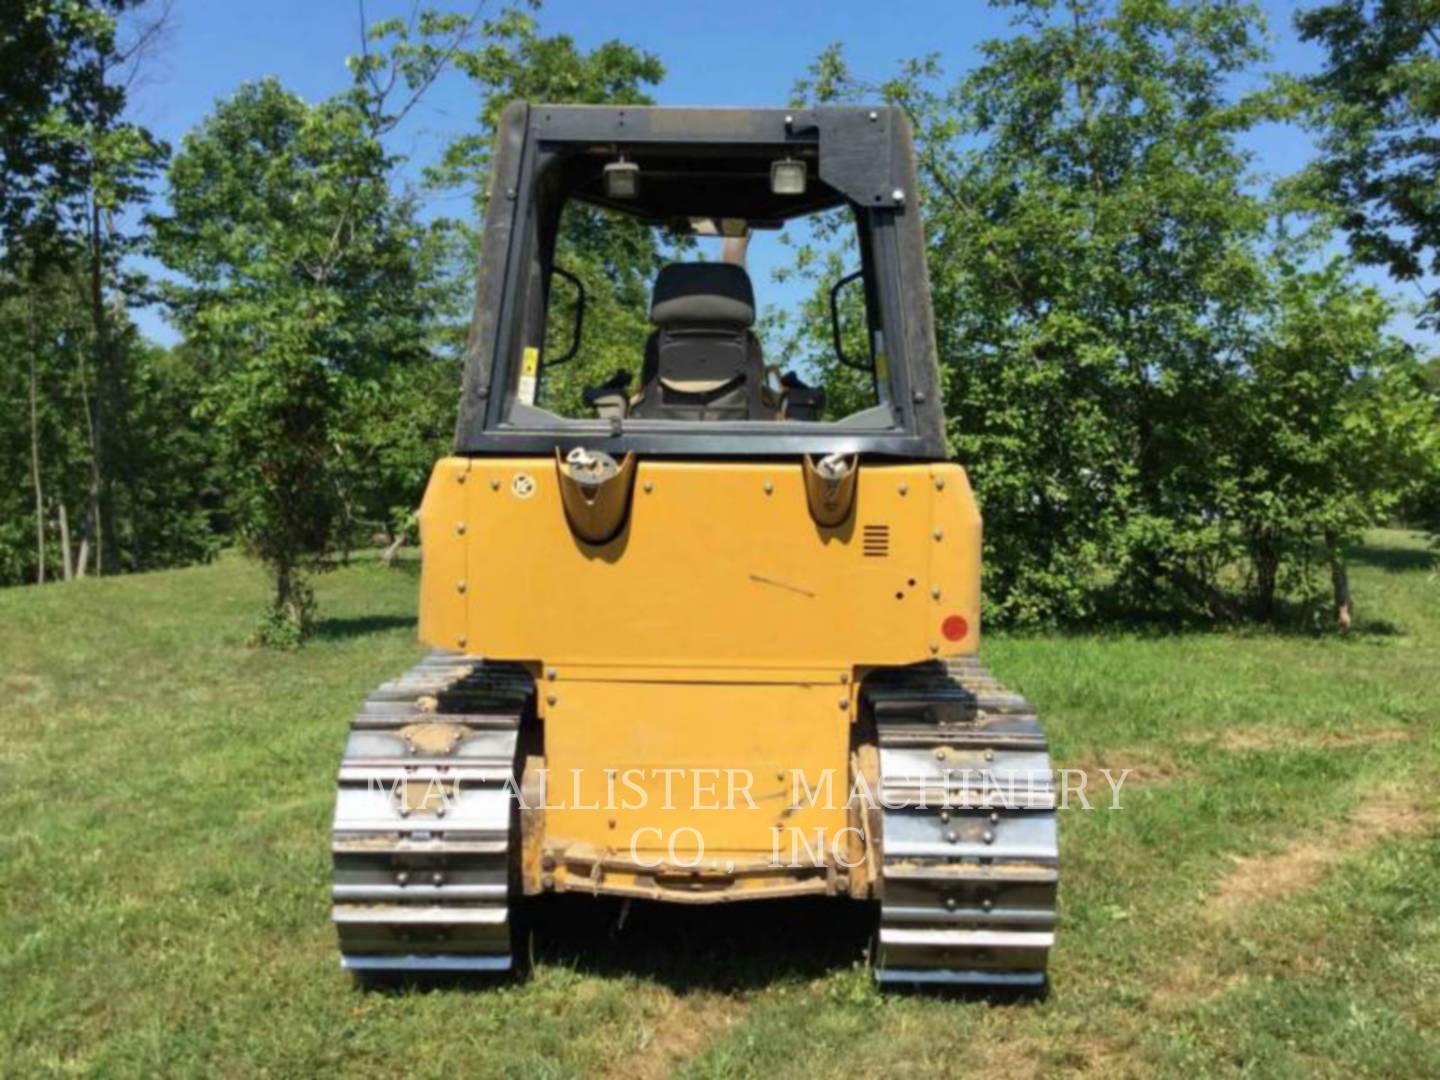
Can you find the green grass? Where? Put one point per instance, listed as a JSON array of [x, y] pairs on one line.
[[165, 795]]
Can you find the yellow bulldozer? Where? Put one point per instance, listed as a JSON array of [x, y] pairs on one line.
[[700, 635]]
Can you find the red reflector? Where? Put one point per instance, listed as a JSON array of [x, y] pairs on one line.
[[955, 628]]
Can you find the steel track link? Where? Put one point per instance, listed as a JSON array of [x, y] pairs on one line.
[[423, 834], [970, 859]]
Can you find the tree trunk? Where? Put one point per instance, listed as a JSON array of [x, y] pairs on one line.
[[91, 405], [1265, 560], [1340, 583], [120, 524], [82, 557], [65, 567], [289, 601], [282, 587], [102, 382], [347, 511], [35, 449], [401, 536]]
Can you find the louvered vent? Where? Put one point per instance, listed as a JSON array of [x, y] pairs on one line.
[[875, 541]]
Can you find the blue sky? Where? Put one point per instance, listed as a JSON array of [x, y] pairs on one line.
[[739, 52]]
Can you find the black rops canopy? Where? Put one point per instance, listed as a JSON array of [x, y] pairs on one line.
[[699, 163]]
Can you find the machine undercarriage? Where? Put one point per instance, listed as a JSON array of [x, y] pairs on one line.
[[950, 788]]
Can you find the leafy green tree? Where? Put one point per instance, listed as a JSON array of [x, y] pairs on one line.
[[1093, 259], [615, 257], [515, 61], [322, 303], [70, 163], [169, 505], [301, 292], [119, 160], [1421, 504], [55, 61], [1376, 104], [1157, 410], [163, 497], [1330, 429], [44, 464]]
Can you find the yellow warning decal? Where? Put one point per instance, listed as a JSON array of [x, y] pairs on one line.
[[529, 375]]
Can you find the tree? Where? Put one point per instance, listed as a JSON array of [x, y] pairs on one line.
[[164, 496], [615, 257], [54, 62], [301, 291], [116, 159], [323, 304], [69, 164], [1330, 430], [514, 61], [1158, 409], [44, 464], [1093, 259], [1421, 504], [1376, 104]]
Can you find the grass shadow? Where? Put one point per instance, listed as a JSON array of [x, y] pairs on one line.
[[1290, 619], [690, 947], [1000, 997], [340, 629], [1375, 628], [1394, 560]]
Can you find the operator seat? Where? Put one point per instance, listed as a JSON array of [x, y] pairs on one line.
[[702, 362]]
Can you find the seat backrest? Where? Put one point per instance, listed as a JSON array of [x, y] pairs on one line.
[[706, 295], [702, 362]]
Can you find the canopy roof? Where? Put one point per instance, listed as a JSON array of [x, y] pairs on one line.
[[715, 163]]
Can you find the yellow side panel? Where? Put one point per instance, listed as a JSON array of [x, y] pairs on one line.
[[719, 564], [661, 764], [443, 532]]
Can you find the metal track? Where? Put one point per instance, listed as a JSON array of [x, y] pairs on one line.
[[423, 834], [968, 837]]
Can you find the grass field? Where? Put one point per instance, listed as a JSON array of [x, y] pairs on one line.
[[1264, 902]]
